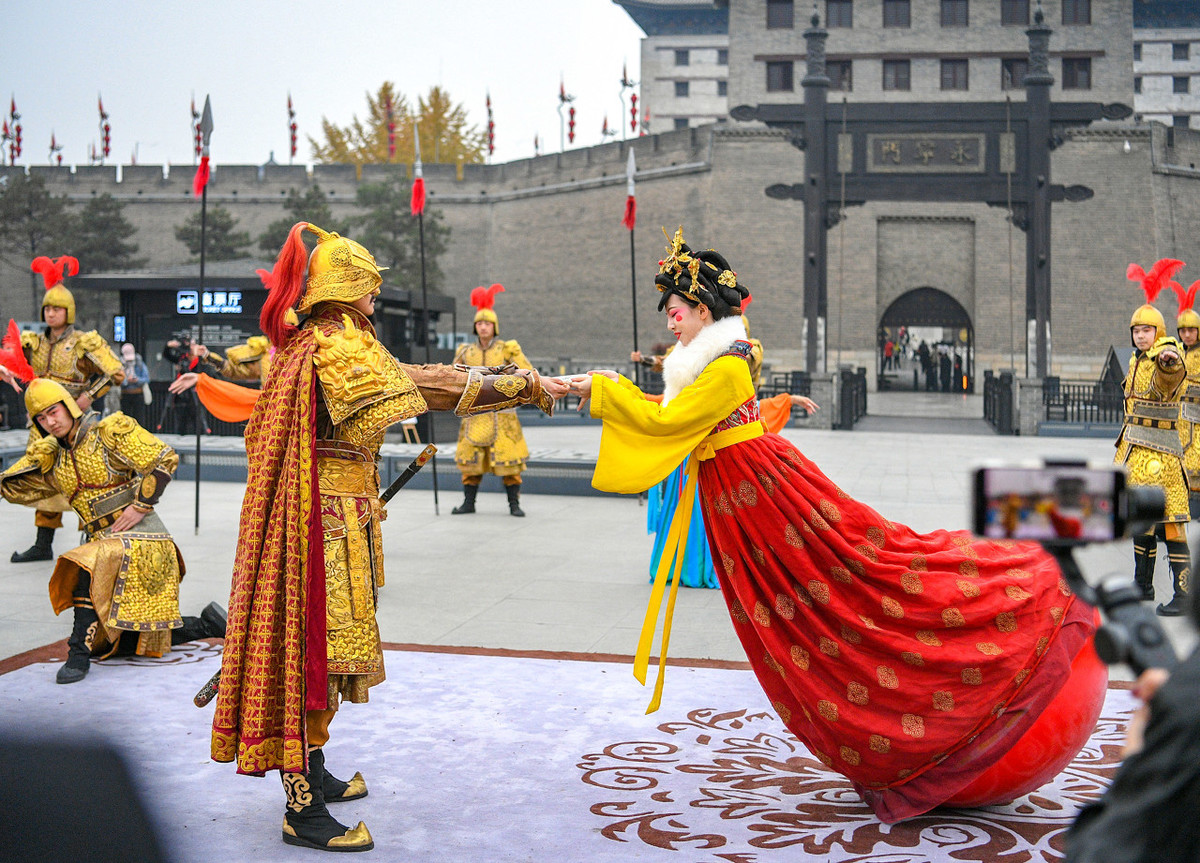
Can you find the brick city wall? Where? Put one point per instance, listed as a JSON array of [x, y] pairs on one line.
[[549, 229]]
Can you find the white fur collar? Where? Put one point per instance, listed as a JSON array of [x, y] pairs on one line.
[[683, 365]]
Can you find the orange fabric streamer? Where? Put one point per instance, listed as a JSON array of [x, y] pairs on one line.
[[226, 401], [776, 411]]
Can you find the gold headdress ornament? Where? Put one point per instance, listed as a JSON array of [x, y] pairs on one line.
[[338, 269], [43, 393], [681, 259]]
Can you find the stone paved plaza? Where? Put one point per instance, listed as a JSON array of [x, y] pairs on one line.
[[572, 576]]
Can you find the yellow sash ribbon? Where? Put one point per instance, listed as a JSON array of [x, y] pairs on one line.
[[677, 541]]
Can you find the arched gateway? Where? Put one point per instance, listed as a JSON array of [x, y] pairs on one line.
[[929, 315]]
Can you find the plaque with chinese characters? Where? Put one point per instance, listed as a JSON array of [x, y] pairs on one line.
[[936, 153]]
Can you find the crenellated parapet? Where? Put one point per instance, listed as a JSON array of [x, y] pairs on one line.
[[341, 181]]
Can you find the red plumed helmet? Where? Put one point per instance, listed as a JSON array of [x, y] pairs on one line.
[[1152, 284], [52, 271], [1187, 300], [484, 300]]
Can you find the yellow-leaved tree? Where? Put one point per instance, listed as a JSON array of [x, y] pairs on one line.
[[445, 133]]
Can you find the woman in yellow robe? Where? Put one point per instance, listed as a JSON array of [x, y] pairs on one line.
[[914, 664]]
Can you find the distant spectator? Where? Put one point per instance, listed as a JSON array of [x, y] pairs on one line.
[[136, 386]]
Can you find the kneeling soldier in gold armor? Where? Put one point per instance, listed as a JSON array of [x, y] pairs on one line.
[[123, 584], [1149, 444], [81, 361]]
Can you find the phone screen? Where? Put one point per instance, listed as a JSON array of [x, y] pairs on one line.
[[1048, 504]]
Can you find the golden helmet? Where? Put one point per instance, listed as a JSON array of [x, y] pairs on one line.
[[1149, 316], [1187, 300], [339, 269], [43, 393], [484, 300], [1152, 284], [52, 272]]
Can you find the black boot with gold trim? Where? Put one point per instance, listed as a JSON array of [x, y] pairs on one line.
[[1181, 571], [307, 822], [337, 791], [79, 646]]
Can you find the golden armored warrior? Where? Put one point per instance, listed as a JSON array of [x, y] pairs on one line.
[[81, 361], [1187, 327], [245, 362], [123, 583], [1149, 443], [493, 442], [309, 563]]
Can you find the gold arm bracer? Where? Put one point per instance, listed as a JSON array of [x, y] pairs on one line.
[[485, 393]]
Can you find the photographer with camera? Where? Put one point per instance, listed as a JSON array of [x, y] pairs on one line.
[[1146, 815], [186, 357], [1149, 444]]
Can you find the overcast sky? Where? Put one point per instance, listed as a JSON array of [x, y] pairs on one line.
[[147, 57]]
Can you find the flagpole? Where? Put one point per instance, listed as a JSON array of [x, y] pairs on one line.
[[629, 220], [425, 324], [200, 341], [418, 209], [200, 185], [637, 367]]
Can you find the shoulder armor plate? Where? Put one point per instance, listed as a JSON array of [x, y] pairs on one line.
[[355, 370]]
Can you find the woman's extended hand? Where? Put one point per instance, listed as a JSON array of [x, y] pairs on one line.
[[183, 383], [810, 407], [581, 385]]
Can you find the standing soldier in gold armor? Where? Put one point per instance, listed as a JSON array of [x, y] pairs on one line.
[[123, 583], [80, 361], [309, 562], [1149, 444], [494, 442], [1187, 326]]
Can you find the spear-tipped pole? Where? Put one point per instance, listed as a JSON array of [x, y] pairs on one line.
[[201, 187], [418, 210], [629, 220]]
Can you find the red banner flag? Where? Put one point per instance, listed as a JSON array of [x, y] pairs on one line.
[[205, 128], [630, 217], [418, 189]]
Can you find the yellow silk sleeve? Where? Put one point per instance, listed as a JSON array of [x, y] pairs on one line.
[[642, 441]]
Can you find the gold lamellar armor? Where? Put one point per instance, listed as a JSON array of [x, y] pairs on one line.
[[92, 347], [1149, 442], [245, 361], [339, 269]]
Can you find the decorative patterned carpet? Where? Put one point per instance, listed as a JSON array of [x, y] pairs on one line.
[[475, 756]]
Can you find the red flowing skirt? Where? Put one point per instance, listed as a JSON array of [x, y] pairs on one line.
[[908, 662]]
